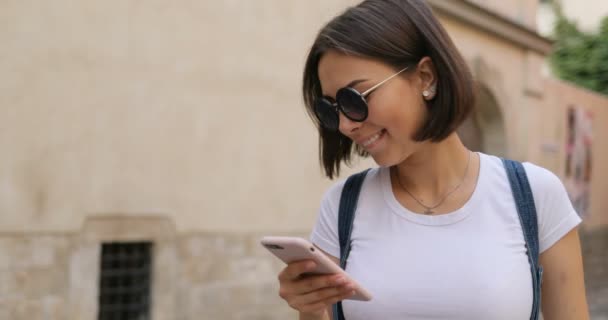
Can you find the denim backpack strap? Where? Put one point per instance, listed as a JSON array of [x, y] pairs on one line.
[[524, 201], [346, 216]]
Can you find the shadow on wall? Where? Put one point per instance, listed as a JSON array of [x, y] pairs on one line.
[[484, 129]]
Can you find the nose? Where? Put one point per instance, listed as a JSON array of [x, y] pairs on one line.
[[348, 126]]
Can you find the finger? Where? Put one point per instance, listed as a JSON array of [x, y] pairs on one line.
[[322, 304], [315, 283], [295, 269], [321, 295], [340, 297]]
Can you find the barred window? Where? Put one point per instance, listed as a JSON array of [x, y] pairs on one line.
[[124, 284]]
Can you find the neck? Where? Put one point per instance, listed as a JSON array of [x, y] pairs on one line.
[[435, 168]]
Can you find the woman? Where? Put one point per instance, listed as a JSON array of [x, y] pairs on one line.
[[436, 234]]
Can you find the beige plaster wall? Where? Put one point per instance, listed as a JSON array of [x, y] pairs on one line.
[[189, 109], [520, 11], [499, 66]]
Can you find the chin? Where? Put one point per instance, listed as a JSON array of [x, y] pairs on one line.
[[392, 156], [384, 160]]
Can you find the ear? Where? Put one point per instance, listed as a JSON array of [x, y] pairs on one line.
[[427, 76]]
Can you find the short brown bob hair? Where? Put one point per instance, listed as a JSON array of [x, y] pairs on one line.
[[399, 33]]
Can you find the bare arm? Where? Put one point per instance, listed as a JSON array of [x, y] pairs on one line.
[[563, 291]]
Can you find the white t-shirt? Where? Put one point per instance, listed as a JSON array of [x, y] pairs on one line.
[[468, 264]]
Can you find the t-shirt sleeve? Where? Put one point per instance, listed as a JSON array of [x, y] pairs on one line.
[[325, 231], [555, 213]]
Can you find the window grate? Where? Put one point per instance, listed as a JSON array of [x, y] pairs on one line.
[[124, 284]]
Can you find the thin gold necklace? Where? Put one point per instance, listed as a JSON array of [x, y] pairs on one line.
[[428, 210]]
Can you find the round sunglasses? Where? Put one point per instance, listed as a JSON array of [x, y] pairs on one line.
[[348, 101]]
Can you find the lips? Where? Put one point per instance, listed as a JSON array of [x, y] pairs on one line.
[[370, 141]]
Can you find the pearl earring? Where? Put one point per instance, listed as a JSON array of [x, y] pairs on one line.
[[429, 93]]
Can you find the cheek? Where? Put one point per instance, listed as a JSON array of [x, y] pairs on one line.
[[403, 115]]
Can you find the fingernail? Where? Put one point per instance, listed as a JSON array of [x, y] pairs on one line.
[[339, 280], [310, 265]]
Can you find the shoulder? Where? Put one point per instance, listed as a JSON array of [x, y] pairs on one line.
[[543, 182], [555, 214]]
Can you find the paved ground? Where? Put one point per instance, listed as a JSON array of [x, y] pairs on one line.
[[595, 258], [598, 304]]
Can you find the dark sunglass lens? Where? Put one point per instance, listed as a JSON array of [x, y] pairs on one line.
[[352, 103], [327, 114]]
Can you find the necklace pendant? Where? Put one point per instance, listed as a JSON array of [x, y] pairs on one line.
[[428, 212]]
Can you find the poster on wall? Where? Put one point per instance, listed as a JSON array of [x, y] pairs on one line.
[[578, 158]]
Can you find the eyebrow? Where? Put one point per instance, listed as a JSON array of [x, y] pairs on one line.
[[351, 84], [356, 82]]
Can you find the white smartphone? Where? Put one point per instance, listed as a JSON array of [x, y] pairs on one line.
[[291, 249]]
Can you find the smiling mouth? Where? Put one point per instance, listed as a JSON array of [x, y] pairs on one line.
[[370, 141]]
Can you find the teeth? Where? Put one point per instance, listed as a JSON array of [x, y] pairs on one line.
[[372, 139]]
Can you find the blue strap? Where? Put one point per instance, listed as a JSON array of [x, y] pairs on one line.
[[346, 216], [526, 210]]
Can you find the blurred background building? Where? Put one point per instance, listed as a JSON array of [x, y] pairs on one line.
[[147, 146]]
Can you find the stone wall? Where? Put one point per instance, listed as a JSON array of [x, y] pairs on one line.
[[197, 276], [34, 276], [228, 277]]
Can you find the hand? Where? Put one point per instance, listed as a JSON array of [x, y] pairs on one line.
[[312, 294]]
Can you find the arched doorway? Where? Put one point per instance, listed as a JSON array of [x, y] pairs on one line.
[[484, 129]]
